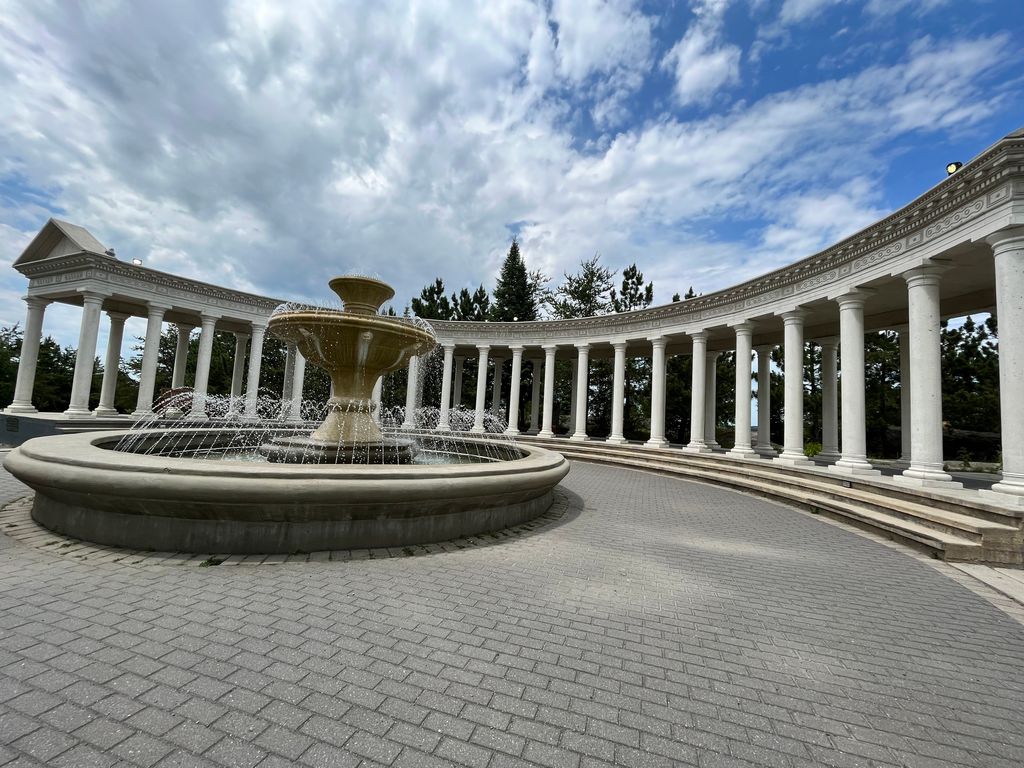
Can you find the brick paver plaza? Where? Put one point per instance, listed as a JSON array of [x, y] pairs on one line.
[[656, 622]]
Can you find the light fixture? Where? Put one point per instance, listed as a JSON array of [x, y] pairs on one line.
[[952, 168], [137, 262]]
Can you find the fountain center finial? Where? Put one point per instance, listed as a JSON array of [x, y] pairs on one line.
[[361, 295]]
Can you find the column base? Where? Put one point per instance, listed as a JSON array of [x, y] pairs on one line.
[[925, 477], [545, 433], [104, 412], [475, 430], [830, 456], [793, 459], [766, 451], [713, 444], [656, 443], [532, 431], [511, 432], [78, 413], [199, 416], [21, 408], [696, 448], [1007, 494], [443, 427], [579, 437], [742, 453], [616, 440], [852, 468]]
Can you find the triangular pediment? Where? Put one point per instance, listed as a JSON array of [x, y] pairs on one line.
[[60, 238]]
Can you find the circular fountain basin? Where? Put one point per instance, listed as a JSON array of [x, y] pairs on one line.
[[87, 490]]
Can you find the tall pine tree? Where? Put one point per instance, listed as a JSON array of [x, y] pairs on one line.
[[514, 297]]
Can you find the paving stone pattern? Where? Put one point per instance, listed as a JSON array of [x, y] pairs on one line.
[[658, 622]]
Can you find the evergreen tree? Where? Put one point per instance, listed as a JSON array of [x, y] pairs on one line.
[[432, 303], [471, 306], [633, 294], [586, 293], [514, 297]]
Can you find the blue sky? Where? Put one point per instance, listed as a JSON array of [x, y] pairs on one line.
[[271, 148]]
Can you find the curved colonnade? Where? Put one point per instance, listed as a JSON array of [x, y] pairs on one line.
[[957, 249]]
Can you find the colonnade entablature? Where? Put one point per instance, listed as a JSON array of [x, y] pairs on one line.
[[956, 249]]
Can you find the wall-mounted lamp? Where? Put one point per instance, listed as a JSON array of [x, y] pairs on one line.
[[952, 168]]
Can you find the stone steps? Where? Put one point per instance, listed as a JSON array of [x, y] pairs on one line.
[[952, 526]]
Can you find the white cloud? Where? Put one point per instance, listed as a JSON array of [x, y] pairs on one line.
[[701, 66], [892, 7], [797, 11]]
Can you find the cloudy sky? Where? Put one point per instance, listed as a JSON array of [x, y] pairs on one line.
[[270, 146]]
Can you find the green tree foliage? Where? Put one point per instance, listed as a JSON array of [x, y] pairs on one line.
[[471, 306], [586, 293], [432, 303], [514, 296], [10, 350], [633, 294]]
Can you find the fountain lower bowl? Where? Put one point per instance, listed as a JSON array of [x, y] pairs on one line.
[[303, 450], [181, 504]]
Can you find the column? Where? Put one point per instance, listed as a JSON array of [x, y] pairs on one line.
[[111, 365], [697, 394], [711, 400], [905, 427], [549, 390], [252, 384], [1008, 249], [444, 418], [851, 338], [829, 399], [499, 364], [657, 439], [237, 373], [618, 393], [514, 387], [574, 378], [150, 358], [764, 401], [925, 380], [582, 390], [744, 349], [92, 305], [208, 325], [457, 383], [181, 355], [290, 350], [793, 371], [375, 401], [481, 389], [29, 356], [411, 385], [535, 398], [298, 383]]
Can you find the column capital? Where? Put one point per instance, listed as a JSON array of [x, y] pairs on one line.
[[1006, 239], [711, 355], [241, 336], [582, 346], [827, 341], [156, 311], [184, 327], [854, 298], [745, 328], [794, 316], [37, 302], [448, 346], [93, 297], [516, 349], [928, 273], [117, 317], [549, 347], [617, 345], [658, 342], [483, 347], [258, 328], [765, 349], [701, 336]]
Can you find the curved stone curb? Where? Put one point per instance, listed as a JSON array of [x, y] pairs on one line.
[[17, 523]]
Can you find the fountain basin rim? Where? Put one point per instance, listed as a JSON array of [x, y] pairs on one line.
[[331, 318]]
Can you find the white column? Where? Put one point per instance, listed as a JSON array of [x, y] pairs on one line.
[[618, 393], [290, 350], [925, 380], [150, 358], [29, 356], [851, 340], [92, 305], [657, 438], [905, 427], [711, 400], [535, 398], [764, 401], [252, 384], [238, 367], [697, 394], [582, 390], [793, 371], [444, 417], [499, 364], [549, 390], [298, 383], [481, 389], [514, 387], [1008, 249], [208, 324], [830, 399], [375, 400], [574, 378], [111, 365], [181, 355], [744, 349], [411, 385], [457, 383]]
